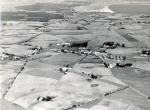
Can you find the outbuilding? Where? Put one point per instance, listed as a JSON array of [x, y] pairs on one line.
[[83, 43]]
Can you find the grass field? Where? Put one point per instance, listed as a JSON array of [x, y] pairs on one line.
[[136, 78]]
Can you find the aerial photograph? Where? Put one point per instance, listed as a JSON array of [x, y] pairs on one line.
[[75, 55]]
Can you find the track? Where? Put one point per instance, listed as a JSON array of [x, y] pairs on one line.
[[12, 82]]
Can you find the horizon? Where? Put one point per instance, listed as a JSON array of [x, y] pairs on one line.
[[7, 5]]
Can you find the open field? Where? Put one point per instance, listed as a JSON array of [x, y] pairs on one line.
[[8, 73], [136, 78], [29, 16], [124, 8], [131, 96], [129, 38], [8, 105]]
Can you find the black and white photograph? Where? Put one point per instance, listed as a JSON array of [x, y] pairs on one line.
[[74, 54]]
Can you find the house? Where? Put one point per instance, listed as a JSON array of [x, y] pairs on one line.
[[109, 45], [146, 52]]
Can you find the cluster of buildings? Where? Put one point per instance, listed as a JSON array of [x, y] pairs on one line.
[[9, 56], [143, 19], [146, 52]]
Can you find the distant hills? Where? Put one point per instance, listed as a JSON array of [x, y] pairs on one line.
[[10, 4], [79, 5]]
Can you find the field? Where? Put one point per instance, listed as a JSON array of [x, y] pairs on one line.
[[30, 16], [124, 9], [137, 78], [129, 38]]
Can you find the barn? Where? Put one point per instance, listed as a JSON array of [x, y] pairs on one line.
[[79, 43]]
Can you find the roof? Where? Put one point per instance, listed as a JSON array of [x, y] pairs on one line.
[[79, 41]]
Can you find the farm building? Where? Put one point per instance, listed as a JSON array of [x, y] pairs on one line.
[[79, 43]]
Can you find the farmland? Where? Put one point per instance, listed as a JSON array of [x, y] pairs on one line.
[[66, 58]]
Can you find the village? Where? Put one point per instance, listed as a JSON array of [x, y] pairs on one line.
[[84, 61]]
